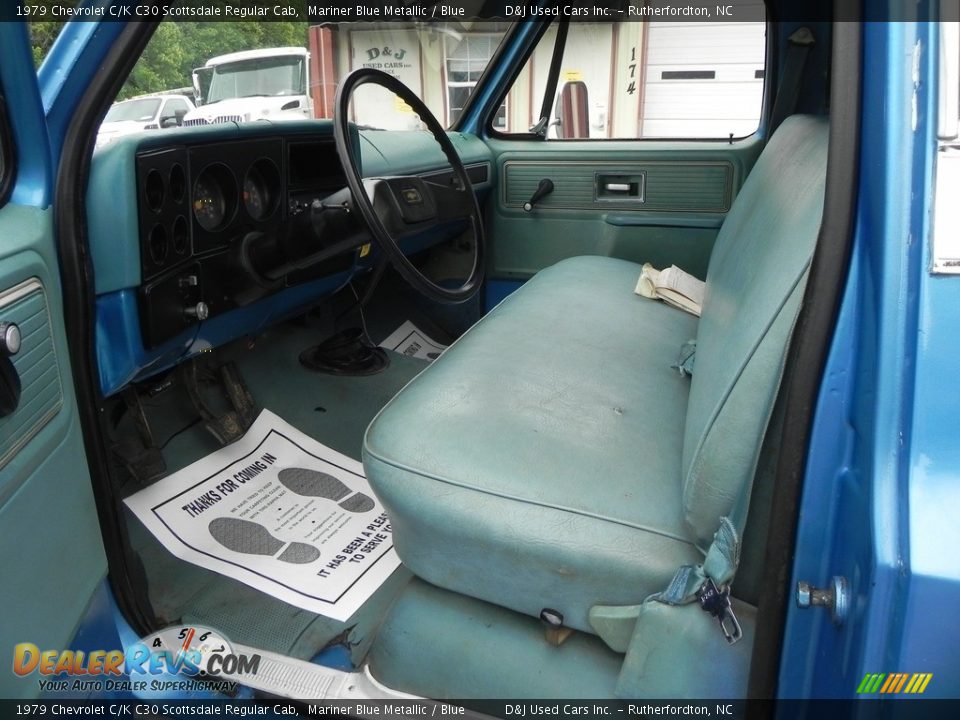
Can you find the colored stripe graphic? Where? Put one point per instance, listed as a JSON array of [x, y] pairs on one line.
[[894, 683], [891, 680]]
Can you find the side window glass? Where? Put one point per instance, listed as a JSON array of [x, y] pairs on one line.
[[643, 79]]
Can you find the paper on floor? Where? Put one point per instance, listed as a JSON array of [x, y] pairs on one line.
[[408, 339], [280, 512]]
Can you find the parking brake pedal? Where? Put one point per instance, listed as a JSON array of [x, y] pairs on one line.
[[229, 424]]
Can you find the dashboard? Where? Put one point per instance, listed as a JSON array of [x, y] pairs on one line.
[[217, 219], [202, 235]]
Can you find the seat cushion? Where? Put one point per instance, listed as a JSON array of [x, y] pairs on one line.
[[537, 463]]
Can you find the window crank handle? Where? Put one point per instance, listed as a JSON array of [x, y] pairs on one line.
[[543, 189]]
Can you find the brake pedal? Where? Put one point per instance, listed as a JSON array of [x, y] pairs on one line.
[[231, 424]]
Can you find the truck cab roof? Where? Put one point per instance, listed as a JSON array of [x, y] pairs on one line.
[[254, 54]]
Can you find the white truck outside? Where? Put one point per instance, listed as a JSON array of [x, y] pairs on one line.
[[265, 84]]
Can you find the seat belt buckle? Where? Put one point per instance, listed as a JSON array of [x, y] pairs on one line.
[[717, 602]]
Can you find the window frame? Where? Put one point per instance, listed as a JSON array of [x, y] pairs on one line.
[[8, 155]]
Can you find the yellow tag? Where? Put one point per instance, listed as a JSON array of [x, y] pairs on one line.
[[364, 250], [401, 107], [572, 75]]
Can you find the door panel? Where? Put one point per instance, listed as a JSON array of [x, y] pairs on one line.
[[50, 546], [36, 365], [669, 213], [595, 185]]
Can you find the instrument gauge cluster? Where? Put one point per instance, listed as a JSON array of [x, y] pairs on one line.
[[215, 216]]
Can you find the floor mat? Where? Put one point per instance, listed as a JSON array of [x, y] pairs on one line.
[[335, 410], [280, 512]]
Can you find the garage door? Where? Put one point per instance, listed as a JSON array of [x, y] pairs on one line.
[[703, 80]]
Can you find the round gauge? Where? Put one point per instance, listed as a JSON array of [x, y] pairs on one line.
[[214, 197], [254, 197], [209, 205], [261, 189], [181, 235], [154, 190], [158, 244]]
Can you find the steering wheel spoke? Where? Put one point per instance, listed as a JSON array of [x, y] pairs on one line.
[[398, 207]]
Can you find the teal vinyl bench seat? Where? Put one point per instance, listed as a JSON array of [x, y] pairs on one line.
[[552, 458]]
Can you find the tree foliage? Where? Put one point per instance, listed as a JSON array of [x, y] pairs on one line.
[[42, 35], [179, 47], [176, 48]]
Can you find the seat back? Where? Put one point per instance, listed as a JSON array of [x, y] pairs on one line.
[[754, 287]]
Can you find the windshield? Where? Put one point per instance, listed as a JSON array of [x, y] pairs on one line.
[[441, 62], [260, 77], [136, 110]]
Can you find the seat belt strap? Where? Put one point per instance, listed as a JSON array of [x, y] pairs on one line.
[[785, 104], [709, 583]]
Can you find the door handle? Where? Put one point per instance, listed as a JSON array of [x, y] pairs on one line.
[[620, 186]]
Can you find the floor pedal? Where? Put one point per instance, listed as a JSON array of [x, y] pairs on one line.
[[228, 424], [139, 455]]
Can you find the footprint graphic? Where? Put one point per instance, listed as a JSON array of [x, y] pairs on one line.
[[250, 538], [317, 484]]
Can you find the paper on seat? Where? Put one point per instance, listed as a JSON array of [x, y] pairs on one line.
[[672, 285]]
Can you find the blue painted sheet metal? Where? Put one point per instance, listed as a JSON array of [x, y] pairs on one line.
[[34, 169], [883, 457], [932, 472], [495, 85], [76, 56]]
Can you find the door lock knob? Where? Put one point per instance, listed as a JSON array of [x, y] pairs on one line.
[[10, 339]]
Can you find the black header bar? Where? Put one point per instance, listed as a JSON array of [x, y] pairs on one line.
[[429, 11]]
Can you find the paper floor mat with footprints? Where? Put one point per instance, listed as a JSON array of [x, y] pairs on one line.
[[280, 512]]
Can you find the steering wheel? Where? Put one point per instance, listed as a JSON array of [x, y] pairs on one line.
[[398, 207]]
